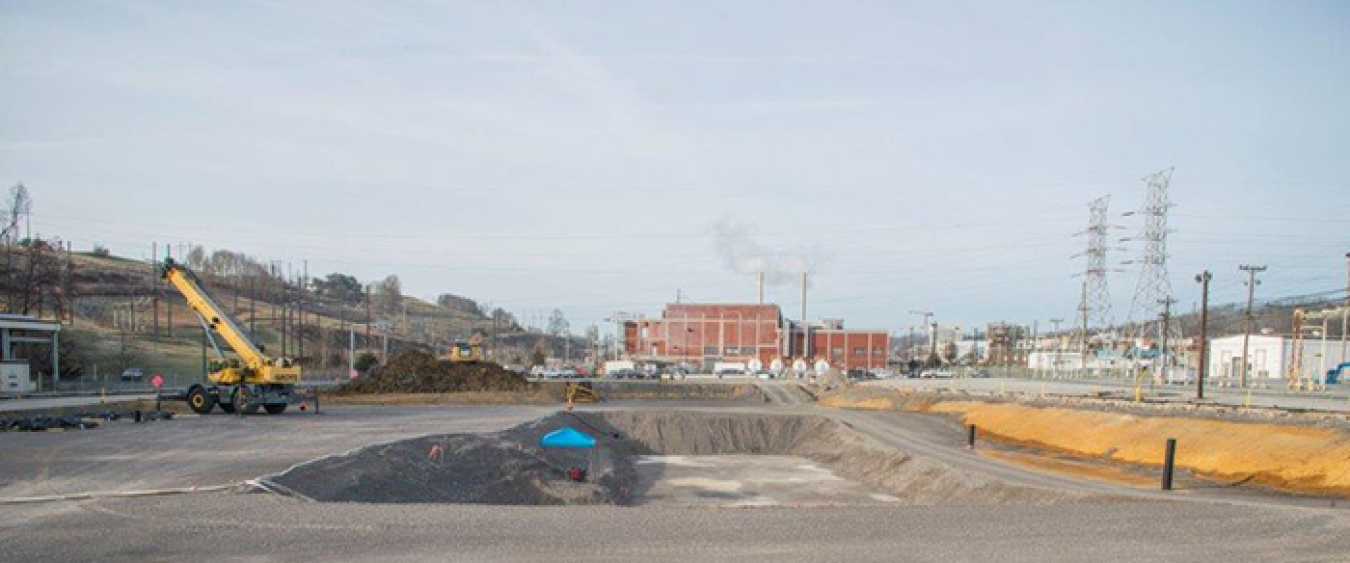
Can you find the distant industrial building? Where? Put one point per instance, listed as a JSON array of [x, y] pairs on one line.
[[1270, 358], [703, 334]]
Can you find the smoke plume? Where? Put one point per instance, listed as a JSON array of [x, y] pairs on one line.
[[742, 253]]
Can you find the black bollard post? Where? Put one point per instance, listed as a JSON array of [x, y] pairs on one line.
[[1168, 460], [970, 436], [138, 416]]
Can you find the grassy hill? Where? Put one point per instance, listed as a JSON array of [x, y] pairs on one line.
[[118, 313]]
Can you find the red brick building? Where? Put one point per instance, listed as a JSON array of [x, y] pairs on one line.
[[705, 333]]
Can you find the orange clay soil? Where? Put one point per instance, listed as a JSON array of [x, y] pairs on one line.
[[1304, 459]]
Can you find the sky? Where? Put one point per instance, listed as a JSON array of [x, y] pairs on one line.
[[599, 157]]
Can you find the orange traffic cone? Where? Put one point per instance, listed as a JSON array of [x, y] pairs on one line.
[[569, 404]]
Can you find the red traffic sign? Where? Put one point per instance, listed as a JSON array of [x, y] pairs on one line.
[[157, 381]]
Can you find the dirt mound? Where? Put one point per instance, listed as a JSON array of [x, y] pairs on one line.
[[506, 467], [419, 372]]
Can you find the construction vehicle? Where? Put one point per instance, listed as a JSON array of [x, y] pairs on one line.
[[241, 384], [581, 392], [467, 351]]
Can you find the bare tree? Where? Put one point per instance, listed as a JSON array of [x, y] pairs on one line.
[[17, 209], [389, 294], [125, 355], [557, 324]]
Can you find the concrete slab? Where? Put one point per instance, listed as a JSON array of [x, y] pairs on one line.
[[747, 480]]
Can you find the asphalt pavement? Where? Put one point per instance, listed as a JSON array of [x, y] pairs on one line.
[[219, 450]]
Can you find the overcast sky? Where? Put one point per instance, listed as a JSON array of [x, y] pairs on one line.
[[588, 155]]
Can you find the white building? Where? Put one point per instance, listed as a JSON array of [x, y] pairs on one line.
[[1061, 361], [1269, 356]]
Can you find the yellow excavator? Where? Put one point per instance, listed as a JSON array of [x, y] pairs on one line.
[[244, 384], [467, 351]]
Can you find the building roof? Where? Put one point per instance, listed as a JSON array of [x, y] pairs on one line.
[[25, 322]]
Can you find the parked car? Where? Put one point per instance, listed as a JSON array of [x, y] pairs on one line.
[[133, 374], [937, 374], [860, 375], [624, 373], [980, 373], [730, 372]]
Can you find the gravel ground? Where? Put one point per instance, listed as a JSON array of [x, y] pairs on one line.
[[263, 527]]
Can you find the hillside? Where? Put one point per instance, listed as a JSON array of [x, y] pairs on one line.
[[118, 313]]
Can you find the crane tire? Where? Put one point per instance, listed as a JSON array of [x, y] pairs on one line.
[[275, 408], [240, 401], [199, 400]]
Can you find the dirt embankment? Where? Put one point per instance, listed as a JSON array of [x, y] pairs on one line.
[[1304, 454], [509, 467], [419, 372], [419, 378]]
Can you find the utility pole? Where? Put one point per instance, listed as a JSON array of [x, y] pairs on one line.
[[168, 309], [1054, 364], [304, 287], [1247, 332], [1204, 334], [368, 311], [252, 300], [168, 305], [154, 299]]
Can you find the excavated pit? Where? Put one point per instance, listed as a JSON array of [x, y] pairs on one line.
[[650, 457]]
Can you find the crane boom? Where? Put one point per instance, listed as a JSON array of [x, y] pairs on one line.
[[215, 317], [256, 366]]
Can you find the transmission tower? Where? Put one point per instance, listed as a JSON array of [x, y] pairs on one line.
[[1154, 289], [1097, 295]]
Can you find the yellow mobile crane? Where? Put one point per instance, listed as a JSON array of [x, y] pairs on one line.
[[237, 385]]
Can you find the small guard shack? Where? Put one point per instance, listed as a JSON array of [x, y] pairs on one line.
[[16, 374]]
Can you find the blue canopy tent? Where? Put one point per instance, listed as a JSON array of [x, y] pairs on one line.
[[567, 437], [571, 438]]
